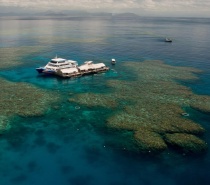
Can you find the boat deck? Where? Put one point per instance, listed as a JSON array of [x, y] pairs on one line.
[[81, 73]]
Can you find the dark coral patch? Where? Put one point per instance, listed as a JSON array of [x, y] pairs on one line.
[[188, 143]]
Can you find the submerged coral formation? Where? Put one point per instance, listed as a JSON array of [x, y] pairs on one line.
[[10, 57], [4, 123], [24, 99], [152, 143], [155, 109], [91, 99], [187, 142]]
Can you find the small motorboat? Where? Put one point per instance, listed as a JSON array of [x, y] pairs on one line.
[[113, 61], [168, 40]]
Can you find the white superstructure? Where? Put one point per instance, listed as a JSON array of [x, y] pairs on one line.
[[55, 64], [87, 68]]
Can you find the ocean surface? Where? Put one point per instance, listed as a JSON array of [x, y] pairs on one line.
[[70, 145]]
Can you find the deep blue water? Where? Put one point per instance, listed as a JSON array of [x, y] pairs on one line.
[[72, 146]]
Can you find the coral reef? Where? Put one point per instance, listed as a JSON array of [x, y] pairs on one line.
[[200, 103], [155, 109], [91, 100], [10, 57], [24, 99], [187, 142], [4, 123], [152, 143]]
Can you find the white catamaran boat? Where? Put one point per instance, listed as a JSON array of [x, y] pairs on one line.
[[56, 64]]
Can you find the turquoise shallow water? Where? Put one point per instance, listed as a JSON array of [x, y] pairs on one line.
[[73, 146]]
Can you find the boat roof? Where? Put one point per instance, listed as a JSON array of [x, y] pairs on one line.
[[72, 61], [58, 60], [99, 65], [69, 70], [88, 62], [87, 66], [84, 67]]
